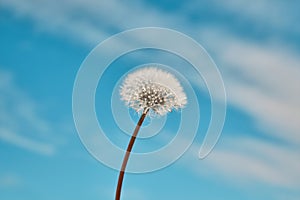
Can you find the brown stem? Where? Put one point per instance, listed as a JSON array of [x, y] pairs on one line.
[[129, 148]]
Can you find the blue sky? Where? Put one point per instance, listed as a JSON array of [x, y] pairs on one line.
[[256, 46]]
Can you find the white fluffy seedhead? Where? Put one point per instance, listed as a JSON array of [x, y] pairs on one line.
[[154, 89]]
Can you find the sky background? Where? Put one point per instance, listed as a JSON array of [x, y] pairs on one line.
[[255, 44]]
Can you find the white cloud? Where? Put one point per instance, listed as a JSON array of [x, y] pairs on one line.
[[26, 142], [263, 81], [20, 123], [88, 22], [277, 14], [250, 161]]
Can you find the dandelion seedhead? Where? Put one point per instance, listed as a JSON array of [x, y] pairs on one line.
[[152, 89]]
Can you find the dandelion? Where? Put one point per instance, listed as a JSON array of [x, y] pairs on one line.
[[149, 90], [152, 89]]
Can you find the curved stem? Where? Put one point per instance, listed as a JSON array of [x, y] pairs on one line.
[[126, 157]]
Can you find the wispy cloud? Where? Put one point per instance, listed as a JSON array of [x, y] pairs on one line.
[[275, 15], [250, 161], [20, 123], [262, 80], [88, 22], [26, 142]]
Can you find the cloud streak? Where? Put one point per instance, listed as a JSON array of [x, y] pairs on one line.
[[248, 162], [253, 159], [26, 143], [275, 15], [20, 124], [263, 81], [88, 22]]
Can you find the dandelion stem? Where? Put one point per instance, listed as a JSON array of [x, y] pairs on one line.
[[127, 154]]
